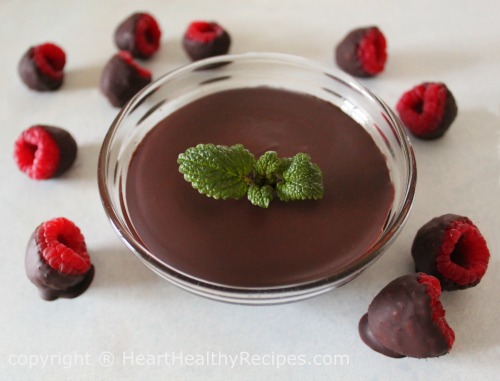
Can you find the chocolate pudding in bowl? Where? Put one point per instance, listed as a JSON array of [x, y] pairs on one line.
[[234, 251]]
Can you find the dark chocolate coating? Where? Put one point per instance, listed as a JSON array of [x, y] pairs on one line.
[[449, 114], [367, 336], [67, 148], [120, 81], [400, 320], [34, 78], [198, 50], [425, 249], [53, 284], [346, 53]]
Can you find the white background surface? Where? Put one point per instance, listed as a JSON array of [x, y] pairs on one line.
[[130, 312]]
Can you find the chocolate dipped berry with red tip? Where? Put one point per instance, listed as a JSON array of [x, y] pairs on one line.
[[44, 152], [139, 34], [452, 249], [42, 67], [362, 52], [406, 318], [122, 78], [204, 39], [57, 261], [427, 110]]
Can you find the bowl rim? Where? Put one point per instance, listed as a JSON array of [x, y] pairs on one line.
[[272, 293]]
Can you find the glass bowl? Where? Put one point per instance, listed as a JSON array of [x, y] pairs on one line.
[[181, 86]]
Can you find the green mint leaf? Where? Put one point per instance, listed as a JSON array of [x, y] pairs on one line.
[[260, 196], [217, 171], [268, 165], [302, 180]]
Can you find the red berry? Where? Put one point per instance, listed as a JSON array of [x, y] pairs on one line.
[[43, 152], [406, 318], [433, 288], [122, 78], [428, 110], [204, 39], [62, 246], [139, 34], [363, 52], [42, 67], [452, 249]]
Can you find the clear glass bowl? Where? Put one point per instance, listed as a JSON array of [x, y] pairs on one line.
[[202, 78]]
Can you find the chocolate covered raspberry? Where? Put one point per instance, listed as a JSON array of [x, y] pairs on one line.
[[139, 34], [42, 67], [452, 249], [44, 152], [406, 318], [204, 39], [427, 110], [363, 52], [122, 78], [57, 261]]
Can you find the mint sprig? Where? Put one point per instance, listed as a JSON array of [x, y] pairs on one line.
[[224, 172]]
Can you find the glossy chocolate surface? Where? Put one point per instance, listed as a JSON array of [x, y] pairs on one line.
[[369, 339], [235, 243]]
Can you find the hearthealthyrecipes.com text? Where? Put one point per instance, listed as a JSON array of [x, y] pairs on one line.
[[174, 359]]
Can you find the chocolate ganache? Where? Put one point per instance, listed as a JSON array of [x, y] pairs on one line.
[[234, 243]]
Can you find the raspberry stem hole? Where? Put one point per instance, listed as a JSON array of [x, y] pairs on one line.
[[149, 36], [418, 107], [459, 253], [63, 241], [206, 28], [31, 151]]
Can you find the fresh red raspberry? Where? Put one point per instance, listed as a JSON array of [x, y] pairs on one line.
[[362, 52], [452, 249], [42, 67], [44, 152], [122, 78], [427, 110], [406, 318], [204, 39], [139, 34], [62, 246]]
